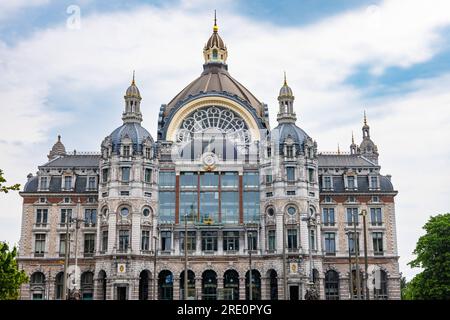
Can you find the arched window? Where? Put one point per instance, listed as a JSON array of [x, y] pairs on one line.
[[273, 284], [380, 287], [315, 276], [87, 285], [144, 278], [37, 286], [215, 54], [102, 284], [231, 285], [331, 285], [191, 284], [256, 285], [165, 285], [59, 285], [209, 285]]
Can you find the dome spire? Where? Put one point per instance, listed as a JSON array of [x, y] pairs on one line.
[[215, 51], [58, 149], [353, 147], [215, 28], [286, 100], [133, 99]]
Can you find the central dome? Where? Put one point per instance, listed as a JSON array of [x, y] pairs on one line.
[[215, 78]]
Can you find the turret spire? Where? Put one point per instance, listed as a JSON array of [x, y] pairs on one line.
[[215, 28], [133, 99], [215, 50], [286, 100]]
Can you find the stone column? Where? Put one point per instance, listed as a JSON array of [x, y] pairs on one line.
[[198, 288], [219, 287], [242, 288], [176, 289]]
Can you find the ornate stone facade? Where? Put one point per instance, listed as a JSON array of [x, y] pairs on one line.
[[252, 200]]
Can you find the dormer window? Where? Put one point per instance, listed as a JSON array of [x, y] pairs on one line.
[[67, 183], [148, 153], [351, 182], [44, 183], [92, 183], [327, 184], [126, 151], [373, 182], [290, 151]]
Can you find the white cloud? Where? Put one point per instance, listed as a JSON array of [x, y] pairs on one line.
[[9, 8], [164, 45]]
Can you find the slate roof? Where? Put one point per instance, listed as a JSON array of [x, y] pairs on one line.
[[363, 185], [70, 161], [55, 185], [345, 160]]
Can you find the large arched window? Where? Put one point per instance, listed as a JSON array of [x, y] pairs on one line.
[[165, 285], [231, 285], [381, 284], [87, 285], [144, 279], [59, 284], [209, 285], [191, 284], [256, 285], [37, 286], [273, 284], [331, 285], [102, 285]]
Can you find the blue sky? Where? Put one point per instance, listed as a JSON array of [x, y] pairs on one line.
[[391, 58]]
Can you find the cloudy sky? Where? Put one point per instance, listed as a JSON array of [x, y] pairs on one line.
[[64, 67]]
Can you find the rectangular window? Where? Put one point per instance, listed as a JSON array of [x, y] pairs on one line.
[[209, 240], [252, 241], [67, 183], [328, 216], [66, 216], [373, 182], [312, 239], [251, 206], [229, 180], [290, 174], [62, 244], [351, 242], [269, 152], [352, 216], [167, 179], [188, 206], [125, 174], [126, 151], [230, 207], [89, 244], [145, 240], [327, 182], [311, 175], [90, 217], [39, 245], [377, 243], [351, 182], [44, 183], [148, 153], [124, 240], [231, 241], [191, 241], [104, 241], [269, 178], [290, 151], [166, 240], [269, 194], [290, 192], [105, 175], [188, 180], [92, 185], [209, 207], [148, 175], [209, 180], [41, 217], [330, 243], [375, 216], [251, 179], [272, 240], [292, 239], [167, 207]]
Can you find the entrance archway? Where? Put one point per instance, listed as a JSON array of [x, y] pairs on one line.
[[231, 285], [209, 285], [165, 285]]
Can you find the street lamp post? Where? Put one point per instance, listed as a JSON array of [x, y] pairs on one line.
[[186, 255], [66, 260], [350, 280], [364, 214], [154, 268], [356, 246], [77, 226], [250, 246], [284, 259]]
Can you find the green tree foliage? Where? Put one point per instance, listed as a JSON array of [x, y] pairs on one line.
[[433, 255], [10, 276], [4, 188]]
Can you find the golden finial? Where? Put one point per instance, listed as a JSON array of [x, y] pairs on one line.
[[132, 82], [365, 118], [285, 82], [215, 28]]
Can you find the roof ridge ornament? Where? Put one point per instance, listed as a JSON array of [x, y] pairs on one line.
[[215, 28]]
